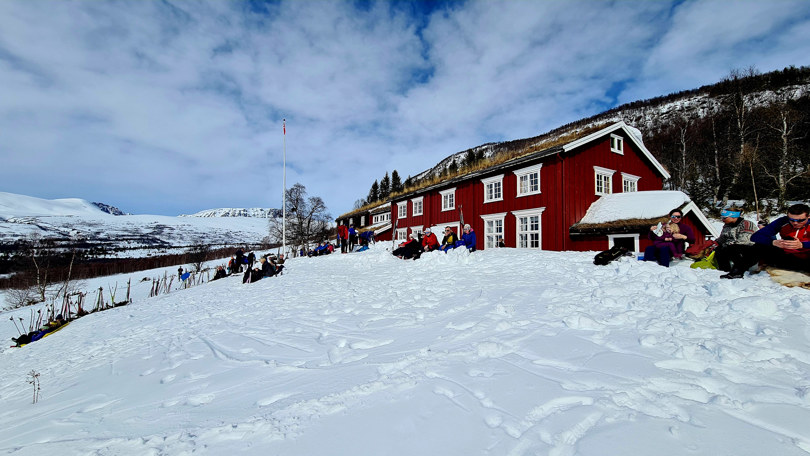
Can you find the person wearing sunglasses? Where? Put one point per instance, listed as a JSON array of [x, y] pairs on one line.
[[791, 250], [734, 246], [663, 252], [449, 240]]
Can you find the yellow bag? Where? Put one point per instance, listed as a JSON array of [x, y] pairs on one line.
[[707, 263]]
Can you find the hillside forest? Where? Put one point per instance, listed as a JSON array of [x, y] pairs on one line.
[[744, 139]]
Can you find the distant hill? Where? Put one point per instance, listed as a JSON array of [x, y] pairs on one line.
[[112, 210], [254, 212], [76, 223]]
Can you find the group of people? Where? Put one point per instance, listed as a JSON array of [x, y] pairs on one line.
[[428, 242], [783, 243], [269, 266]]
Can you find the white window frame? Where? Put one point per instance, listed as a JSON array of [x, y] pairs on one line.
[[402, 234], [617, 144], [526, 172], [362, 220], [418, 202], [529, 213], [491, 239], [417, 230], [612, 240], [451, 192], [495, 183], [629, 180], [402, 209], [598, 172]]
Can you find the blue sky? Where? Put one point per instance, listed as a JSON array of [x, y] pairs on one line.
[[170, 107]]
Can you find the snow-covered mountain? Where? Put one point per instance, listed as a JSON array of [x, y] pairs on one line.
[[256, 212], [73, 222], [112, 210]]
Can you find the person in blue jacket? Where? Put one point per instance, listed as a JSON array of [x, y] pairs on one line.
[[468, 237]]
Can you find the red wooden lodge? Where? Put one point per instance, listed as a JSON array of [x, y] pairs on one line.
[[539, 200]]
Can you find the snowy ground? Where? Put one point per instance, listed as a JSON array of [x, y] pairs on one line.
[[501, 352]]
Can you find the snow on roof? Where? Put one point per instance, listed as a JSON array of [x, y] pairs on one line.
[[634, 205]]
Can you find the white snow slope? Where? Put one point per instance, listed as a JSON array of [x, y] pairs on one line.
[[503, 352]]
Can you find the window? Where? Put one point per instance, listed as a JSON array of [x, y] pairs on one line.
[[362, 220], [617, 144], [629, 183], [417, 230], [493, 188], [629, 241], [417, 206], [448, 199], [528, 180], [402, 234], [402, 209], [493, 229], [384, 217], [604, 180], [528, 228]]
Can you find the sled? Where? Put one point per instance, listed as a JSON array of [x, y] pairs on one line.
[[59, 328], [789, 278]]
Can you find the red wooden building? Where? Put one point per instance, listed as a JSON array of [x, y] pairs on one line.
[[536, 200]]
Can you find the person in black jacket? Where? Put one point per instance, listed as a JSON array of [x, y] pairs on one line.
[[410, 249]]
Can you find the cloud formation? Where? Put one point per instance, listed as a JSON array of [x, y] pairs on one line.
[[173, 107]]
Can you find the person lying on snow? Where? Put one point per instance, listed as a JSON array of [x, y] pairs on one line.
[[220, 273]]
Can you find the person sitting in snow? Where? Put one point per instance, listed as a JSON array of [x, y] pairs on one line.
[[468, 237], [734, 244], [663, 254], [791, 252], [410, 249], [220, 273], [429, 241], [667, 239], [449, 240]]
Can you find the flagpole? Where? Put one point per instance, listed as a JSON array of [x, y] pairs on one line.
[[284, 194]]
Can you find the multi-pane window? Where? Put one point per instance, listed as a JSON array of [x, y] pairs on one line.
[[604, 180], [402, 234], [629, 183], [493, 188], [402, 210], [528, 180], [384, 217], [493, 230], [417, 230], [417, 206], [617, 144], [528, 228], [448, 199]]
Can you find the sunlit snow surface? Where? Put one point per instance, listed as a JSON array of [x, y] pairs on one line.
[[503, 352]]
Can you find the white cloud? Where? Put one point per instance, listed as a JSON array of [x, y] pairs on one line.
[[173, 107]]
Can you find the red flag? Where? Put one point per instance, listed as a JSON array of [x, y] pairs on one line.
[[285, 126]]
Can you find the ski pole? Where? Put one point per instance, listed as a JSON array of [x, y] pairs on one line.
[[15, 325]]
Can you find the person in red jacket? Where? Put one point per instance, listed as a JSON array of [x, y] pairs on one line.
[[343, 238], [429, 241]]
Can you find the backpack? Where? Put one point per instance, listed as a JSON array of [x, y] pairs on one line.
[[700, 250], [605, 257]]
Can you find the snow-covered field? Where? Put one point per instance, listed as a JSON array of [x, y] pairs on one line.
[[503, 352]]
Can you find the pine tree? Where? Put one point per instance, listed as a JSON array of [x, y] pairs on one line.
[[396, 182], [385, 187], [374, 193]]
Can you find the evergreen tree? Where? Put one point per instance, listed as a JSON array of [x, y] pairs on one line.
[[396, 183], [385, 187], [374, 193], [408, 182], [469, 158]]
